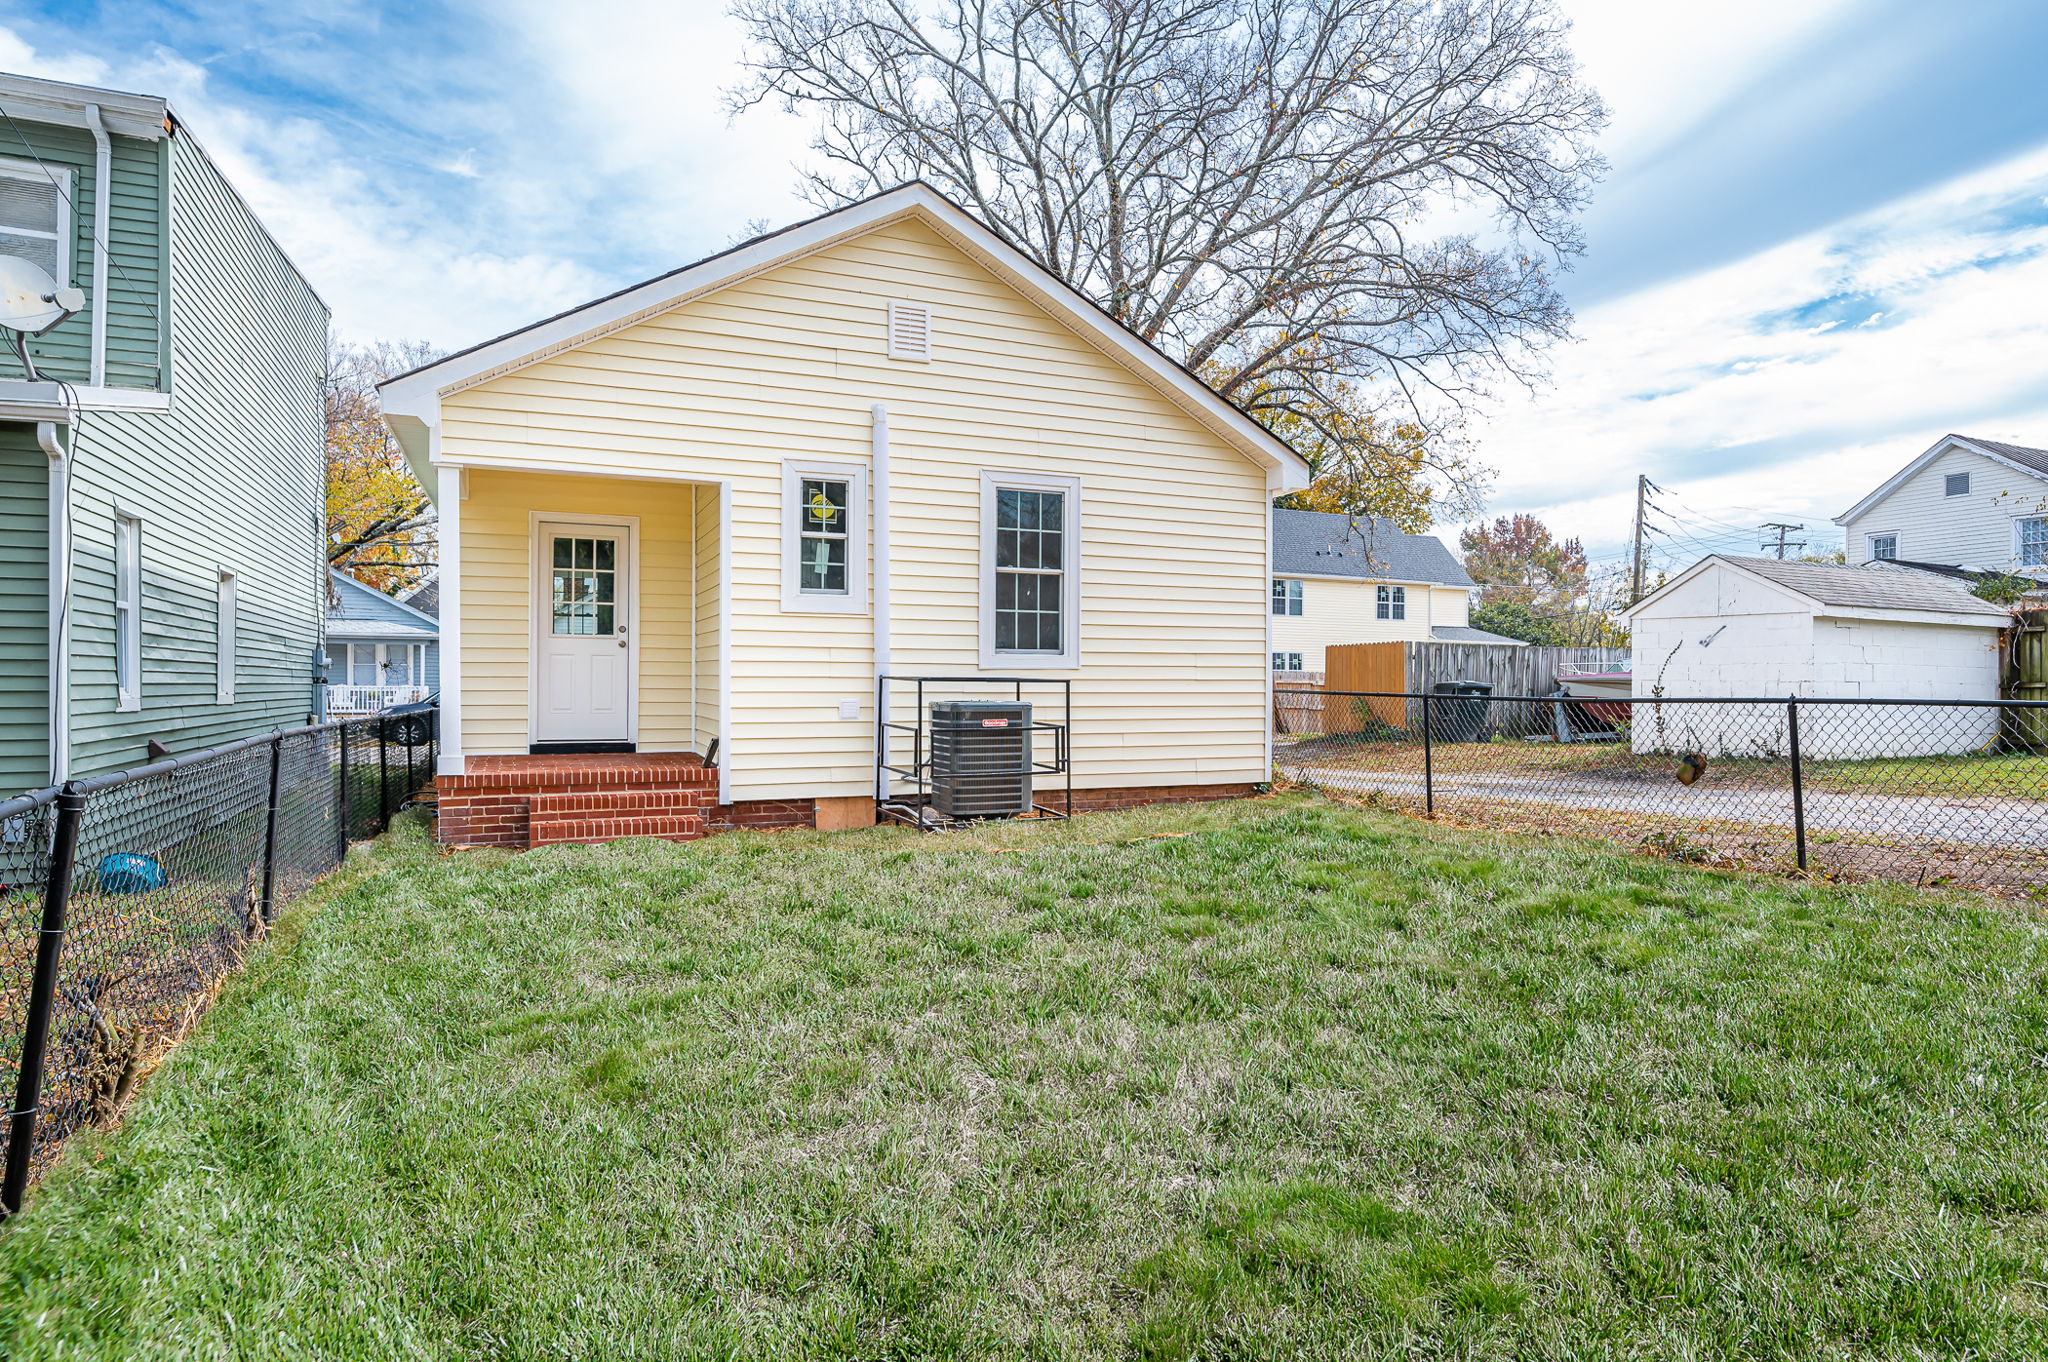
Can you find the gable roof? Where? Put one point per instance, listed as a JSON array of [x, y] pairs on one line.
[[361, 610], [412, 399], [2019, 458], [424, 595], [1372, 548], [1850, 588]]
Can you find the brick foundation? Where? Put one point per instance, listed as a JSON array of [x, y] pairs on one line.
[[765, 814], [1134, 796]]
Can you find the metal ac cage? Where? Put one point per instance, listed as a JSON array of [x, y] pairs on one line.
[[971, 760]]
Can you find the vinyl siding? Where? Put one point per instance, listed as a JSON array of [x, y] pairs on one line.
[[1334, 612], [24, 609], [705, 638], [1171, 687], [497, 598], [1933, 527], [135, 302], [229, 478]]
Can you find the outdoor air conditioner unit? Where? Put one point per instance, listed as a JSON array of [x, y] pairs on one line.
[[981, 758]]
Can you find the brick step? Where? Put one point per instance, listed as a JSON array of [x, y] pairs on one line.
[[618, 776], [603, 803], [589, 830]]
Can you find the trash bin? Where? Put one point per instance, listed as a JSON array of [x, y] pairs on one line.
[[1462, 717]]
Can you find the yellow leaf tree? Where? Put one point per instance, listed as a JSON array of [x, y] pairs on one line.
[[380, 525]]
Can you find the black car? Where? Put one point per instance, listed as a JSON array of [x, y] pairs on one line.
[[413, 725]]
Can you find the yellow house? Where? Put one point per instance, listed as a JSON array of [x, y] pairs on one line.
[[702, 539], [1359, 579]]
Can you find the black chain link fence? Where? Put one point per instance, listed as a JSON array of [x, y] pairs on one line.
[[1923, 791], [126, 899]]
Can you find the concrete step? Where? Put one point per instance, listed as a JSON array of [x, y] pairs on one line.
[[603, 803], [589, 829]]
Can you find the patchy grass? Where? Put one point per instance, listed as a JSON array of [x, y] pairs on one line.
[[1278, 1078]]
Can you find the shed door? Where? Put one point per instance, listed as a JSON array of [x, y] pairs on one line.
[[583, 663]]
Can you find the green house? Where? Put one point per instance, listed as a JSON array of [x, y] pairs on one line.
[[162, 574]]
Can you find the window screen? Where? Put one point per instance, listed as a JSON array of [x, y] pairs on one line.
[[1030, 570], [1956, 484], [31, 220]]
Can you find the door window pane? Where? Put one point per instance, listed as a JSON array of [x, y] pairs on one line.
[[585, 590]]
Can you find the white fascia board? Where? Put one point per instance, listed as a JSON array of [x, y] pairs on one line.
[[417, 394], [60, 102], [1965, 617], [21, 400], [1940, 447]]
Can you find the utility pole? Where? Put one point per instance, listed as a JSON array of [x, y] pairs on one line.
[[1782, 543], [1635, 590]]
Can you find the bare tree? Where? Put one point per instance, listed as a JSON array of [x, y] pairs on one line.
[[1263, 188]]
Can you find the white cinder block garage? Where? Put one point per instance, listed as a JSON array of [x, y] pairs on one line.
[[1756, 627]]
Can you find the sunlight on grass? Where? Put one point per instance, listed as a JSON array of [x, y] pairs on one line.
[[1307, 1081]]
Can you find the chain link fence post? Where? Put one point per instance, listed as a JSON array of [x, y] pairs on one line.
[[1798, 783], [35, 1034], [342, 820], [267, 905], [1428, 760], [383, 774]]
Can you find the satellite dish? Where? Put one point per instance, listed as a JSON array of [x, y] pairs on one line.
[[30, 304], [30, 299]]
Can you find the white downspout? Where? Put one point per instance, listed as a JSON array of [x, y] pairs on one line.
[[879, 475], [59, 540], [102, 210]]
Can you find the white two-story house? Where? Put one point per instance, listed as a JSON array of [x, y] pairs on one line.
[[1965, 504]]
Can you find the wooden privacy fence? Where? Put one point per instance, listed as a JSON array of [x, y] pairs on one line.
[[1413, 668]]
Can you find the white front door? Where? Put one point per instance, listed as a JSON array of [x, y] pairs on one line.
[[583, 668]]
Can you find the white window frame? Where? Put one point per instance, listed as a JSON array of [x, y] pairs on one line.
[[225, 653], [1291, 594], [1390, 602], [1288, 662], [1870, 546], [13, 169], [1069, 656], [1948, 478], [854, 600], [2019, 538], [127, 610]]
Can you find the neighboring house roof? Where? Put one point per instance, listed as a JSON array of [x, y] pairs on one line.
[[358, 610], [425, 595], [1462, 633], [1850, 588], [1321, 544], [412, 399], [2019, 458], [1964, 574], [378, 631]]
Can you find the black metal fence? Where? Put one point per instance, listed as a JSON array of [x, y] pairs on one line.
[[126, 898], [1924, 791]]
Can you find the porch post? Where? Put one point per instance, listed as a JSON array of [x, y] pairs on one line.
[[448, 504], [725, 641]]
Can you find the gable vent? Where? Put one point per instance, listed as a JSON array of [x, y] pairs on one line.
[[910, 331]]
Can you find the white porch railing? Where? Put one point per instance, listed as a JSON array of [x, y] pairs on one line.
[[343, 701]]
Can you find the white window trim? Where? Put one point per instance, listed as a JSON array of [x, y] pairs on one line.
[[854, 601], [1967, 481], [2017, 522], [1870, 538], [1069, 657], [1291, 654], [1297, 597], [1395, 604], [225, 649], [13, 169], [127, 607]]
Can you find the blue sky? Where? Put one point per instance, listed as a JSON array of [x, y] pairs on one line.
[[1823, 241]]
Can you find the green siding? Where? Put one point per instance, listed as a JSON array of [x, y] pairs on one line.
[[135, 237], [24, 609], [230, 478]]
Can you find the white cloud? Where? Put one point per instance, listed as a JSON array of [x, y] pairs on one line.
[[1736, 390]]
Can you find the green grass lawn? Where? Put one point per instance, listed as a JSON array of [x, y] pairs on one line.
[[1306, 1081]]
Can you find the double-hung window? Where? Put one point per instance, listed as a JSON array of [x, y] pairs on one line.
[[1287, 662], [1030, 575], [127, 610], [2033, 541], [225, 606], [1392, 603], [824, 549], [1884, 547], [35, 216], [1286, 596]]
